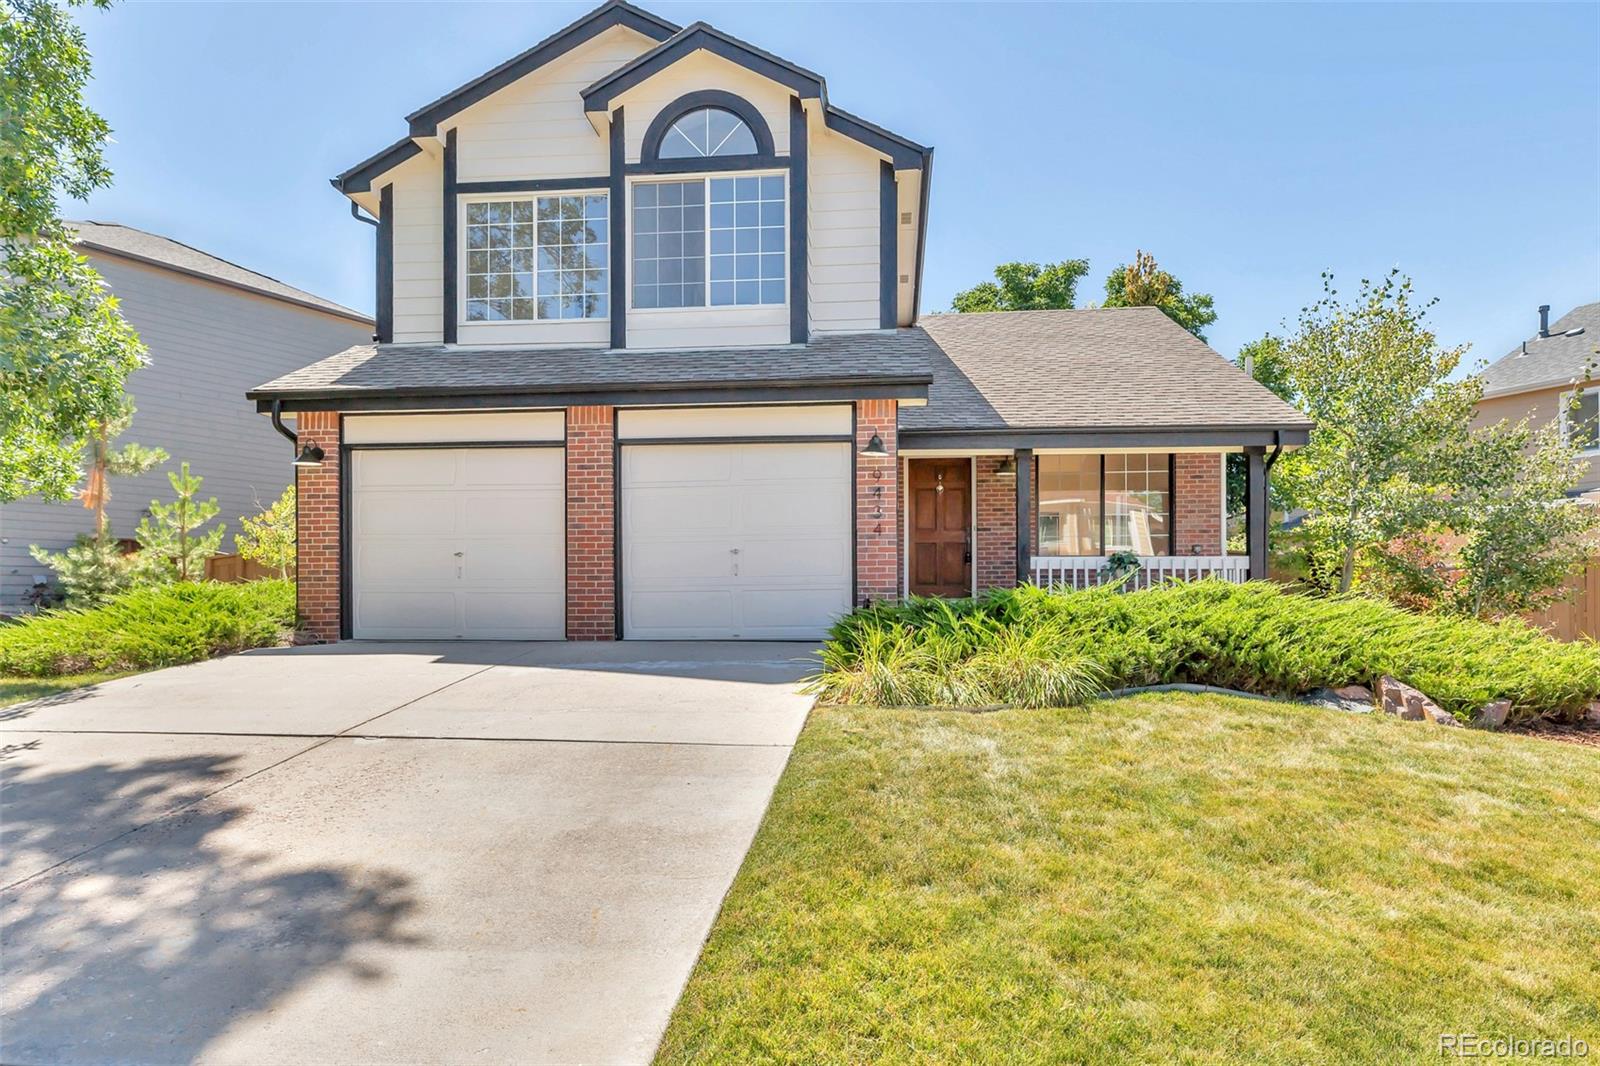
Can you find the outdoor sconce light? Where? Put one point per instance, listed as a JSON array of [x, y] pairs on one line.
[[1007, 468], [310, 455], [875, 446]]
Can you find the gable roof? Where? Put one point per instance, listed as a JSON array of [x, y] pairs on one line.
[[1545, 362], [1102, 369], [153, 249], [700, 36]]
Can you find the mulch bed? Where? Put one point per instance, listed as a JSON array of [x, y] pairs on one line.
[[1584, 733]]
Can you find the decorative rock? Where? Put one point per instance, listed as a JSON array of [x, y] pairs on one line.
[[1411, 704], [1592, 714], [1492, 715], [1438, 715], [1335, 700], [1359, 693]]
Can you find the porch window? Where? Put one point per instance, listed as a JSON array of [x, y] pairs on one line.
[[537, 259], [1099, 504]]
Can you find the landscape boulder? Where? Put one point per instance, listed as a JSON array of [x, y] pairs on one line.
[[1341, 699], [1492, 715], [1412, 705]]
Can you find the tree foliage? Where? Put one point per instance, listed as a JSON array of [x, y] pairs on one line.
[[1025, 287], [269, 537], [1395, 478], [65, 350], [1143, 283], [169, 539]]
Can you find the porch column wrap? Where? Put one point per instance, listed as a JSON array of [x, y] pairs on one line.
[[1256, 510], [1024, 506]]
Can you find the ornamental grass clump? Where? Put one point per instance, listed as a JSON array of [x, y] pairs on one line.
[[1028, 647], [150, 627]]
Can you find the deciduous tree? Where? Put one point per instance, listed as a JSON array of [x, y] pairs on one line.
[[1025, 287], [269, 537], [1143, 283]]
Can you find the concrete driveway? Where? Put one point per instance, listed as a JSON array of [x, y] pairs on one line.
[[373, 853]]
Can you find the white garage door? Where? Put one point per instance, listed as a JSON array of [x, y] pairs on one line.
[[465, 543], [735, 541]]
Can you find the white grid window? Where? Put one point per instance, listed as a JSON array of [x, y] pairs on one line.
[[539, 259], [747, 245], [744, 230], [1138, 492]]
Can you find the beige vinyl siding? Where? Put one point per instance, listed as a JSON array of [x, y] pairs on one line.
[[536, 127], [908, 185], [208, 344], [843, 245], [695, 72], [418, 250], [1539, 408]]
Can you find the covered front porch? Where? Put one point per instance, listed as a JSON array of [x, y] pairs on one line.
[[1068, 514]]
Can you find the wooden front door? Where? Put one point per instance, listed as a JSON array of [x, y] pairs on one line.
[[941, 527]]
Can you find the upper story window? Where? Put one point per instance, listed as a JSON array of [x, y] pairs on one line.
[[710, 242], [538, 259], [707, 132], [1581, 420]]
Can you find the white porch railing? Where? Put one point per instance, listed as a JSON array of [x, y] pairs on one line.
[[1087, 571]]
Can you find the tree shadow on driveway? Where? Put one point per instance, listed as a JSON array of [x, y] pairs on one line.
[[151, 945]]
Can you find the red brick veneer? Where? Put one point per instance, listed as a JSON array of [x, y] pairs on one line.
[[995, 540], [877, 503], [1197, 503], [591, 524], [317, 527]]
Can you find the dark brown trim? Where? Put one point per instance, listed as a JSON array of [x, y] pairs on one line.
[[600, 181], [617, 211], [693, 38], [450, 237], [616, 526], [710, 165], [733, 394], [1024, 512], [1105, 437], [855, 506], [346, 558], [905, 154], [1172, 503], [384, 333], [888, 248], [1256, 510], [922, 232], [799, 260], [359, 177]]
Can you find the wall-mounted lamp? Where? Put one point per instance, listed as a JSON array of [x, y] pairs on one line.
[[1007, 468], [875, 446], [310, 455]]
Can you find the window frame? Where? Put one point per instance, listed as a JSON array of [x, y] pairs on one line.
[[1567, 398], [465, 200], [706, 177]]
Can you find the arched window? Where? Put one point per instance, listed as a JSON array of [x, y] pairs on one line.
[[706, 132]]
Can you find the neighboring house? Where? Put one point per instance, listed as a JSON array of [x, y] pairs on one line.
[[1542, 377], [213, 329], [649, 365]]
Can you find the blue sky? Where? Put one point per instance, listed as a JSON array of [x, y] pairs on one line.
[[1249, 147]]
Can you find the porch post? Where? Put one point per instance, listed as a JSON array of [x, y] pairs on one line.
[[1256, 510], [1024, 461]]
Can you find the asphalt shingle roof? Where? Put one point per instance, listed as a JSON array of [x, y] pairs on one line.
[[1541, 362], [900, 357], [162, 251], [1129, 367]]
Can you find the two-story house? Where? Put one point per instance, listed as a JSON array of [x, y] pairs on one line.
[[649, 365]]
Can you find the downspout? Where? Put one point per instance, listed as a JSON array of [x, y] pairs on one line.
[[1277, 450], [277, 424], [355, 213]]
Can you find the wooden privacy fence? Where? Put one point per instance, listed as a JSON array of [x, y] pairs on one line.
[[1577, 614], [232, 568]]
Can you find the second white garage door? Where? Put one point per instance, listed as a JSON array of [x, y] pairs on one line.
[[458, 543], [735, 541]]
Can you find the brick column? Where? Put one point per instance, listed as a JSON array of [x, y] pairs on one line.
[[1197, 503], [877, 502], [317, 559], [591, 524], [994, 550]]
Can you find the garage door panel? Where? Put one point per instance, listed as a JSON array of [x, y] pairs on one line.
[[657, 512], [815, 559], [512, 467], [463, 543], [735, 540], [794, 462], [406, 467], [680, 613], [678, 465], [417, 513]]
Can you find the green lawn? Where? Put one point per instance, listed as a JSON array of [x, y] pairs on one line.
[[1160, 878], [21, 689]]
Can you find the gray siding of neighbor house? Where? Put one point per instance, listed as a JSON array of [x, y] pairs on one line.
[[208, 344]]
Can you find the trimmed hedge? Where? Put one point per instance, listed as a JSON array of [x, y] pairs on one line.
[[150, 627], [1256, 637]]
